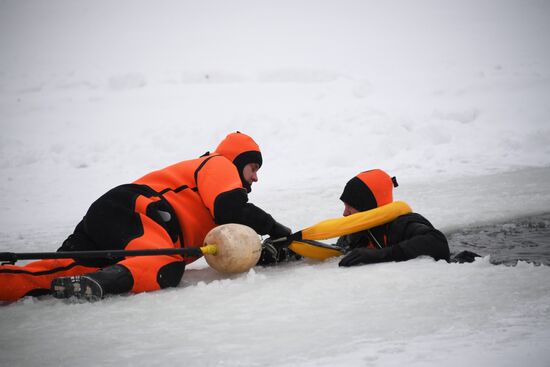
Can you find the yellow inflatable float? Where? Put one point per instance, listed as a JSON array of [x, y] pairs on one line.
[[305, 241]]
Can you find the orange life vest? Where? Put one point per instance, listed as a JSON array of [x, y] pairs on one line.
[[191, 187]]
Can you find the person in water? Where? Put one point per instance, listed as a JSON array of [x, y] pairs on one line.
[[407, 237]]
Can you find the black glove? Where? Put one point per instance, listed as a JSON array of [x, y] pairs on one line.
[[269, 255], [364, 255], [273, 253], [465, 257], [278, 230], [278, 238]]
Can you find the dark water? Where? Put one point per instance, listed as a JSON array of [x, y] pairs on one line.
[[526, 239]]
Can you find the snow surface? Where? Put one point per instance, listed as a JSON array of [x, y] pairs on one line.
[[451, 97]]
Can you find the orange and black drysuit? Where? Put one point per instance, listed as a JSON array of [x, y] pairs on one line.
[[407, 237], [172, 207]]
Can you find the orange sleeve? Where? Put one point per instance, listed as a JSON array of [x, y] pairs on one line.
[[217, 176]]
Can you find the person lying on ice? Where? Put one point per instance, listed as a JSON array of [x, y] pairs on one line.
[[407, 237], [169, 208]]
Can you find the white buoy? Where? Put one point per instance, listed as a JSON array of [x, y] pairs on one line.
[[239, 248]]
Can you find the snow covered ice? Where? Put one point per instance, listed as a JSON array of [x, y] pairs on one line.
[[452, 98]]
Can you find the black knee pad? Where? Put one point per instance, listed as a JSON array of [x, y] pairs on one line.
[[114, 279], [170, 275]]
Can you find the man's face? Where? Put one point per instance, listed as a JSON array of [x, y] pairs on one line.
[[250, 172], [349, 210]]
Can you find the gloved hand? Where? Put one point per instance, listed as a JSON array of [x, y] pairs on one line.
[[269, 255], [278, 230], [364, 255], [465, 257], [273, 253]]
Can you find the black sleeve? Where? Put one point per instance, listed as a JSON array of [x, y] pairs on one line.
[[413, 235], [233, 207]]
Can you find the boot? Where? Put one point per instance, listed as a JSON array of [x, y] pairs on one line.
[[79, 286], [114, 279]]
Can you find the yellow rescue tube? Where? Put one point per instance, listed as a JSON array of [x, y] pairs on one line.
[[337, 227], [315, 250], [357, 222]]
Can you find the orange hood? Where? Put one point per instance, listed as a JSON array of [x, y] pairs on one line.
[[240, 149]]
